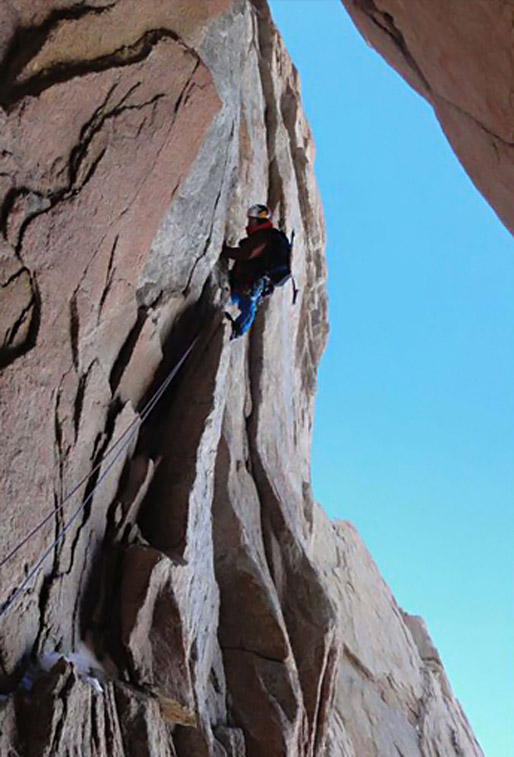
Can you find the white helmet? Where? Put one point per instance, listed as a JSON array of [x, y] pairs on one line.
[[260, 211]]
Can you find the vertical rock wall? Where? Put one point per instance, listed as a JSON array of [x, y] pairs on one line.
[[194, 600], [391, 696]]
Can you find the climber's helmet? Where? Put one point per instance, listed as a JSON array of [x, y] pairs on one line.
[[261, 212]]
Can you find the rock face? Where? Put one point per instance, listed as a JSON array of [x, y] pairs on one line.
[[179, 592], [457, 55], [392, 696]]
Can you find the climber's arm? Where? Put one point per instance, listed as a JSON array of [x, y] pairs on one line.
[[248, 248]]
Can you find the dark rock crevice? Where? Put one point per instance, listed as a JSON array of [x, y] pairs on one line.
[[252, 652], [8, 203], [108, 277], [358, 664], [127, 349], [28, 41], [86, 155], [309, 613], [14, 91], [78, 404], [74, 331], [164, 515], [479, 124], [21, 320]]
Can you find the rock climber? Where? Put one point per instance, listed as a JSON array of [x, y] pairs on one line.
[[254, 273]]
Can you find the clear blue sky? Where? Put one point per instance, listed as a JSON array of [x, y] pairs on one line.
[[414, 430]]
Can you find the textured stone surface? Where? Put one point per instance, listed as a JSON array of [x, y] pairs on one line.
[[200, 604], [459, 56], [392, 696]]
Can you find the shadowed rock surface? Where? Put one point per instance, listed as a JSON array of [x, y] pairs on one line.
[[200, 604], [458, 55]]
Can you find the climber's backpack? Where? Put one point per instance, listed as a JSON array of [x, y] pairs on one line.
[[278, 263]]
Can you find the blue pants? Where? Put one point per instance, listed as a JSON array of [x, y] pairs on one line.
[[247, 303]]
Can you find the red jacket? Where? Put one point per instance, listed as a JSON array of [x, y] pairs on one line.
[[249, 257]]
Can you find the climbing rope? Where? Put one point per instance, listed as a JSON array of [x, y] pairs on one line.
[[75, 489], [126, 437]]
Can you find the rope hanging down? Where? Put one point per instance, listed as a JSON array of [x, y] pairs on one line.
[[127, 436], [75, 489]]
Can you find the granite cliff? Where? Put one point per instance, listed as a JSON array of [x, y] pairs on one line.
[[459, 57], [192, 599]]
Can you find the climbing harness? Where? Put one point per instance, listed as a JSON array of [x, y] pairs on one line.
[[122, 443]]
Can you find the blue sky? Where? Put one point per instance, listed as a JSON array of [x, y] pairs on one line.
[[414, 429]]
